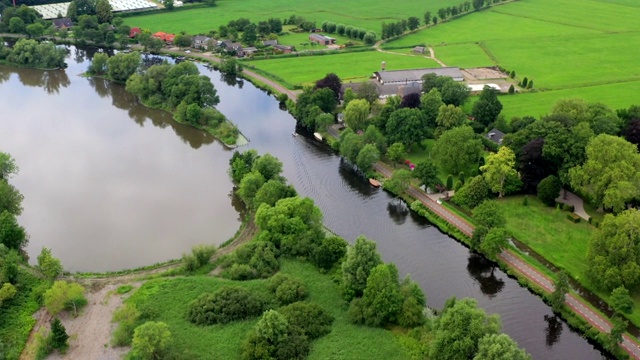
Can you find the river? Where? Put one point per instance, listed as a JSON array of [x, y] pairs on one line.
[[109, 184]]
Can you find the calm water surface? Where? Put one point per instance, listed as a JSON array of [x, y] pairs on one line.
[[109, 184]]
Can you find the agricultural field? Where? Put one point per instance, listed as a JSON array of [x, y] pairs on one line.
[[561, 44], [357, 66], [358, 13]]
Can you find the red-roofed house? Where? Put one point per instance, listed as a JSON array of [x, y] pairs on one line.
[[134, 31], [159, 35], [168, 38]]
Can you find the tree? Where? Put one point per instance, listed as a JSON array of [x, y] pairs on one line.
[[500, 347], [151, 340], [489, 214], [494, 242], [498, 168], [381, 302], [453, 93], [274, 338], [182, 40], [72, 11], [121, 66], [427, 173], [250, 35], [618, 328], [614, 252], [450, 116], [369, 38], [430, 103], [8, 166], [104, 11], [332, 250], [367, 156], [249, 186], [59, 337], [368, 91], [488, 107], [168, 4], [399, 181], [457, 332], [610, 176], [269, 166], [7, 291], [374, 136], [331, 81], [413, 23], [50, 266], [362, 257], [457, 149], [411, 101], [407, 126], [427, 18], [632, 132], [63, 294], [356, 114], [549, 190], [12, 235], [17, 25], [621, 301], [271, 192], [396, 152], [473, 193], [557, 297], [99, 64], [35, 30]]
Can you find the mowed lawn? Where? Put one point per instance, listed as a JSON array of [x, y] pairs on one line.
[[348, 66], [548, 231], [367, 14], [168, 300]]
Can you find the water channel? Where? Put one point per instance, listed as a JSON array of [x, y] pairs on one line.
[[109, 184]]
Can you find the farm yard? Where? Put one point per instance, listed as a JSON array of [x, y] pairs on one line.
[[561, 45], [358, 13]]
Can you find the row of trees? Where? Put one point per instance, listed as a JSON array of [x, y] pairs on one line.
[[369, 37]]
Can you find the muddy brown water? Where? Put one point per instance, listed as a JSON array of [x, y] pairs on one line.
[[109, 184]]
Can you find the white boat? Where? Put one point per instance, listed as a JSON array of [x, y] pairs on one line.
[[317, 136]]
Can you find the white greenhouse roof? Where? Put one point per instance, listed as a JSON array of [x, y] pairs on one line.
[[52, 11]]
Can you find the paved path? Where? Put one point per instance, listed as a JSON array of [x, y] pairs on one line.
[[531, 273], [576, 201]]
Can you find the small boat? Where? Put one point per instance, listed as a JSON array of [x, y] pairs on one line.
[[180, 58], [374, 182], [317, 136]]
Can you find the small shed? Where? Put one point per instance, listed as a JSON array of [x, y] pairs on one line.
[[495, 135], [419, 49]]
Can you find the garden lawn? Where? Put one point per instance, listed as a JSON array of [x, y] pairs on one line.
[[298, 39], [168, 301], [548, 232], [367, 14], [356, 66]]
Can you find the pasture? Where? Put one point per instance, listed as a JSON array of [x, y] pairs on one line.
[[359, 13], [357, 66], [562, 45]]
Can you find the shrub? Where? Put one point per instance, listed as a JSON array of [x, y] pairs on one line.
[[457, 185], [512, 89], [573, 218], [473, 193], [549, 189], [461, 177], [151, 340], [274, 338], [621, 301], [124, 289], [240, 272], [127, 318], [59, 337], [277, 280], [225, 305], [290, 291], [450, 182], [332, 249], [311, 318], [489, 214], [253, 260]]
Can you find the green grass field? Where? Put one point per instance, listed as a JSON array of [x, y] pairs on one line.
[[169, 299], [349, 66], [570, 48], [359, 13]]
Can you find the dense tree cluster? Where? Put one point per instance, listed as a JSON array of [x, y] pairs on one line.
[[30, 53], [369, 37], [226, 305]]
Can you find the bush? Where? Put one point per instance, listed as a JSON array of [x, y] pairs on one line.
[[621, 301], [332, 249], [573, 218], [127, 318], [290, 291], [450, 182], [457, 185], [226, 305], [311, 318], [549, 189], [251, 261]]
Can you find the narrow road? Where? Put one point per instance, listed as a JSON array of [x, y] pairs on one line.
[[531, 273]]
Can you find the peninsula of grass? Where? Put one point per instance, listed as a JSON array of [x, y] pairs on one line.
[[168, 300], [356, 66]]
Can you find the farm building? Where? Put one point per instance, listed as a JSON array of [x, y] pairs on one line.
[[52, 11], [134, 31], [495, 135], [479, 87], [64, 23], [415, 75], [419, 49], [168, 38], [283, 49], [321, 39], [200, 42], [270, 43]]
